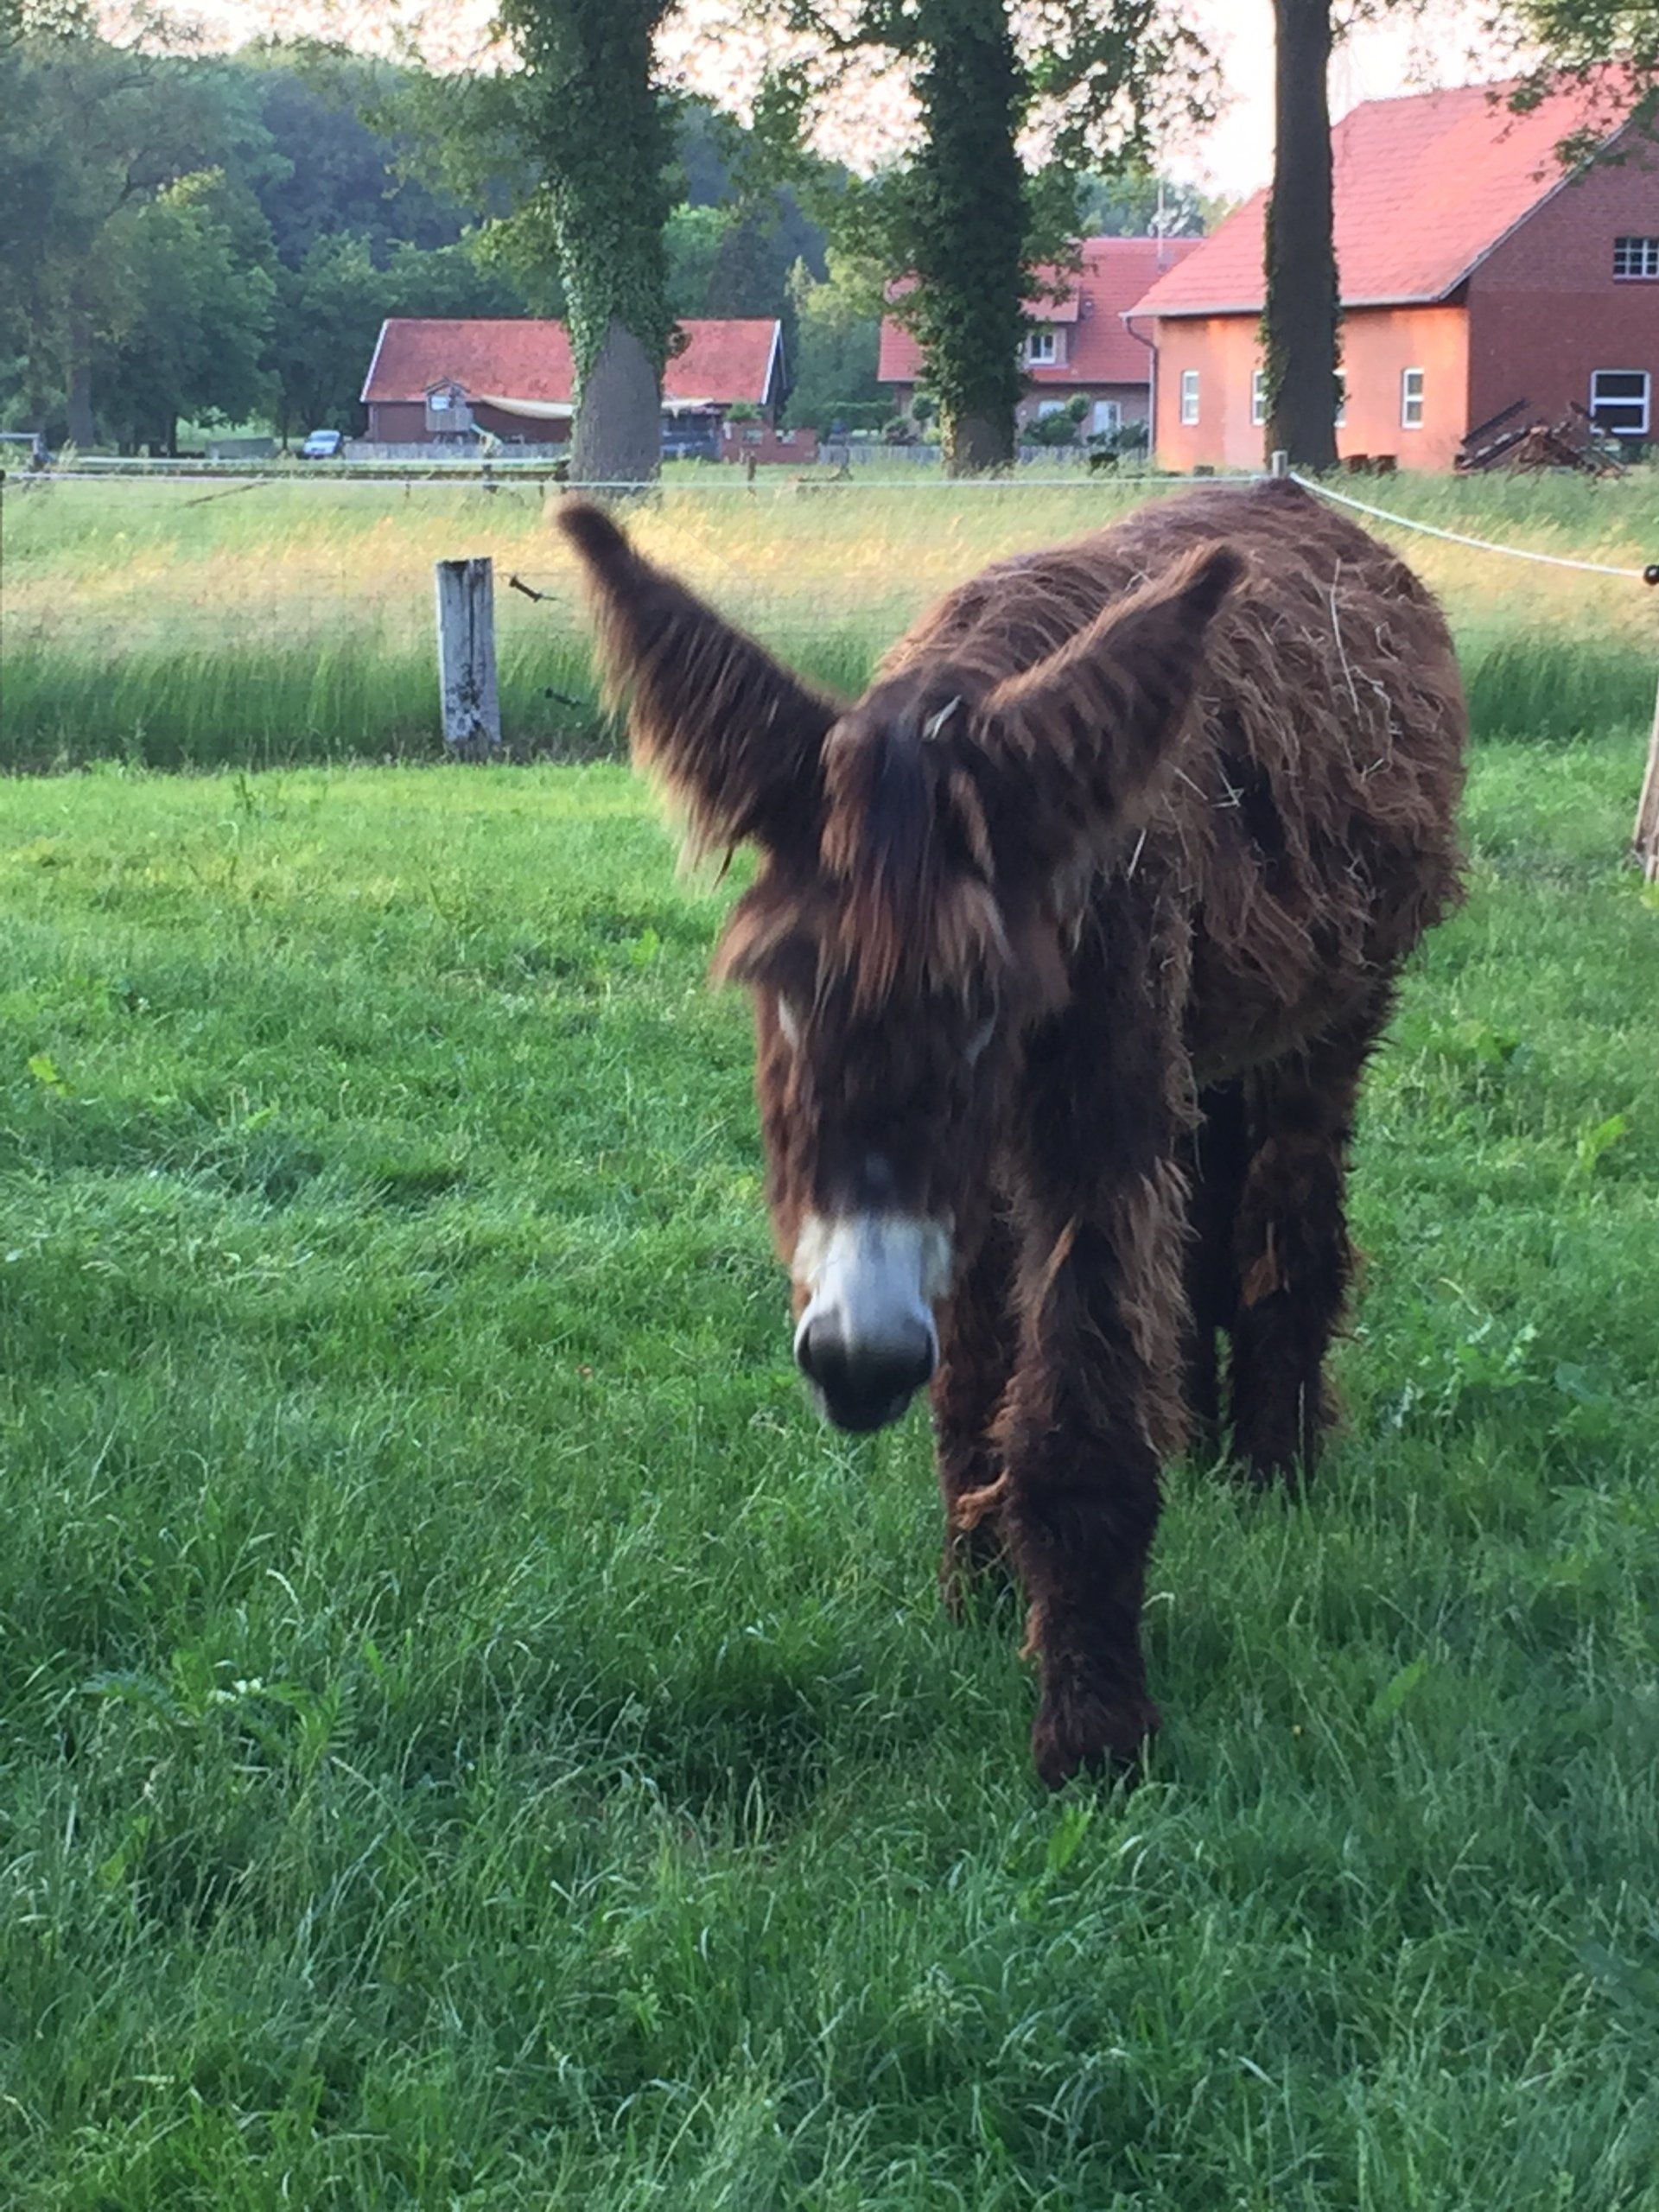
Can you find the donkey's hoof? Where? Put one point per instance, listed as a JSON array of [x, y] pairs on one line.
[[1079, 1732]]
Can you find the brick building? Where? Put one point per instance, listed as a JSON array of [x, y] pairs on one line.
[[1476, 277], [439, 383], [1076, 340]]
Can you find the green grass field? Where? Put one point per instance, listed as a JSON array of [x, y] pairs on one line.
[[472, 1739], [194, 623]]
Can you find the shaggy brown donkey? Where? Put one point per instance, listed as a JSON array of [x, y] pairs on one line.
[[1068, 944]]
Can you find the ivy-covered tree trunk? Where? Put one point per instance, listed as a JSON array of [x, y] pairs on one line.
[[1300, 329], [970, 219], [601, 130]]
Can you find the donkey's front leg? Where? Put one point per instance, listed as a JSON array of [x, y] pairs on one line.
[[1081, 1506]]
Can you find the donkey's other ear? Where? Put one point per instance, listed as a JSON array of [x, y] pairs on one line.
[[736, 737], [1089, 729]]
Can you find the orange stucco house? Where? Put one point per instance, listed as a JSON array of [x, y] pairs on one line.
[[1476, 278]]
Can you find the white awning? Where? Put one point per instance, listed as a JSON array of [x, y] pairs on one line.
[[561, 410], [534, 410]]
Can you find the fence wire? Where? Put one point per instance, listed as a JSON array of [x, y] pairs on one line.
[[263, 616]]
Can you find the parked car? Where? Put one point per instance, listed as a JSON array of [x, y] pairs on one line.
[[322, 445]]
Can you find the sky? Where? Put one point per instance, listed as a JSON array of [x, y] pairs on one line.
[[1232, 158]]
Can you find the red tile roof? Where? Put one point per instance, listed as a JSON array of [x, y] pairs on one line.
[[1425, 187], [723, 361], [1115, 273]]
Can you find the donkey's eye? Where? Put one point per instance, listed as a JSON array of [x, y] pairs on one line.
[[789, 1021]]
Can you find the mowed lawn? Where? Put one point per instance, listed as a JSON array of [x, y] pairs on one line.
[[470, 1738]]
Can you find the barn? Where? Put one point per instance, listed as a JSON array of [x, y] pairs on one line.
[[1075, 339], [439, 382], [1479, 282]]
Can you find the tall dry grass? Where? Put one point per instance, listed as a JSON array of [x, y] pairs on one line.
[[177, 624]]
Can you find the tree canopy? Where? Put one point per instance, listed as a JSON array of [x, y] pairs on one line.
[[1015, 103]]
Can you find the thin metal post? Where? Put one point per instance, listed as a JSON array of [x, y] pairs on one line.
[[1646, 842]]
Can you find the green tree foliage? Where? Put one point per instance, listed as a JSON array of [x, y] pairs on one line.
[[90, 133], [1610, 47], [210, 235], [198, 299], [1059, 426], [969, 215], [1136, 203], [837, 325], [338, 160]]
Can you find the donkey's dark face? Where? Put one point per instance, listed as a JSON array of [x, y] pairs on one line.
[[904, 929], [884, 1024]]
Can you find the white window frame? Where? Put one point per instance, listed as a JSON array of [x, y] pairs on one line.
[[1412, 396], [1042, 348], [1258, 398], [1191, 398], [1105, 418], [1645, 403], [1640, 255]]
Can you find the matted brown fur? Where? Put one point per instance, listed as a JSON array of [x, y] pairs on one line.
[[1159, 814]]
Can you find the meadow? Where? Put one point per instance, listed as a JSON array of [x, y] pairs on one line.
[[196, 624], [472, 1739]]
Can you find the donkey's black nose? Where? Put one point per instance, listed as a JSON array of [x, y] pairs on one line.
[[863, 1385]]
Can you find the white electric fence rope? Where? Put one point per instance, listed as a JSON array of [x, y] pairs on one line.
[[1456, 537]]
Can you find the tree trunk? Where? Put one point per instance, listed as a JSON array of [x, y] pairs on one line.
[[970, 224], [1300, 326], [617, 437], [598, 120], [83, 430], [974, 443]]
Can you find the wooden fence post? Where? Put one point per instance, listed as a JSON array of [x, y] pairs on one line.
[[472, 709]]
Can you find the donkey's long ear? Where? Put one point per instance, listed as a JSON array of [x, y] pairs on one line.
[[1088, 730], [737, 739]]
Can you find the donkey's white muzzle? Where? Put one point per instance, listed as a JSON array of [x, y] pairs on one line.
[[866, 1341]]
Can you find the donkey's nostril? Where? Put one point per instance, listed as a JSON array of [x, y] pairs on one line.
[[864, 1384]]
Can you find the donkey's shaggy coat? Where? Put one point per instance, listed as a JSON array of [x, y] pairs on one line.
[[1068, 944]]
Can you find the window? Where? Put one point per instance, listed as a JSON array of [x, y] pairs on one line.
[[1042, 346], [1340, 418], [438, 402], [1637, 258], [1189, 397], [1258, 398], [1619, 402], [1105, 417], [1411, 399]]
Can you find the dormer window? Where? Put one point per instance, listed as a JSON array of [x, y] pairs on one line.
[[1042, 346], [448, 412], [1636, 259]]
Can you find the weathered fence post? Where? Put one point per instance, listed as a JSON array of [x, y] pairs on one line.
[[472, 709]]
